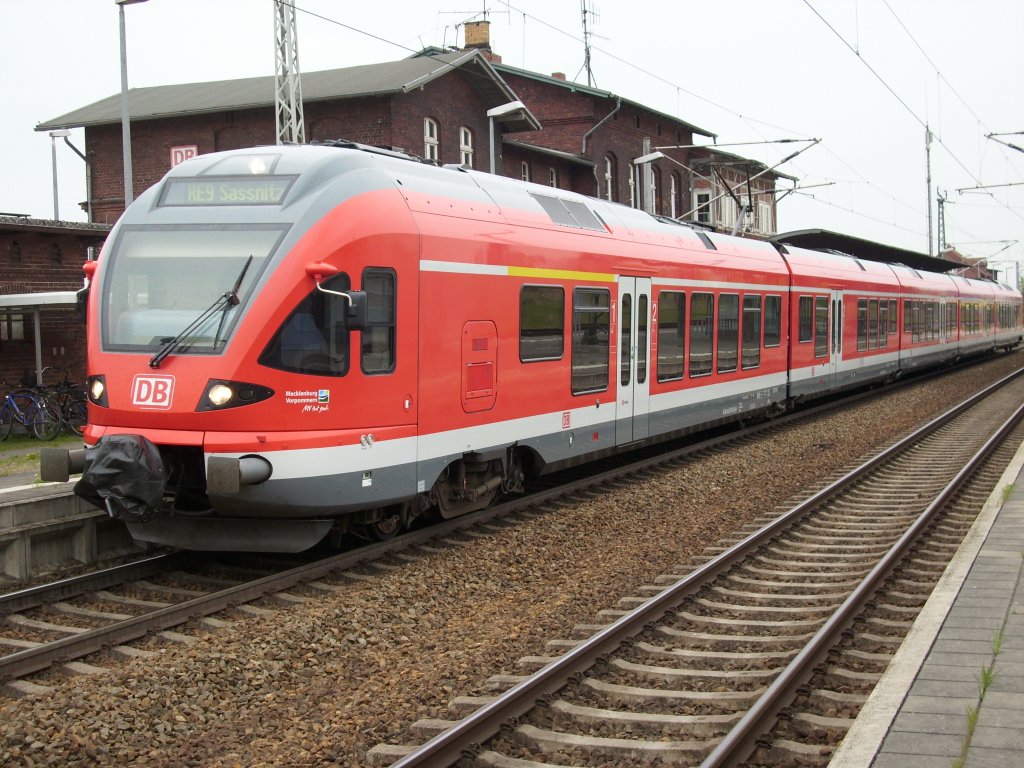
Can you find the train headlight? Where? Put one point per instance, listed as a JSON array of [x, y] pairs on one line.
[[96, 387], [221, 393]]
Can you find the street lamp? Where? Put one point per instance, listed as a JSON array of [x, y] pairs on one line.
[[126, 131], [513, 111], [54, 135], [644, 160]]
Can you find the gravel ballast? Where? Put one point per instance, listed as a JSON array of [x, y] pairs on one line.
[[323, 682]]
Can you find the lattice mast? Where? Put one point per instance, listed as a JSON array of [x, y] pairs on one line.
[[586, 41], [287, 82]]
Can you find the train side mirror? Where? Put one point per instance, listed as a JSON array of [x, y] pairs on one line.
[[355, 301], [82, 303], [355, 315]]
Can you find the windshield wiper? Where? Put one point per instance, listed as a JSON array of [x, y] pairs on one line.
[[232, 300], [225, 300]]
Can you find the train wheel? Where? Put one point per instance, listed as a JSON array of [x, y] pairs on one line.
[[385, 528]]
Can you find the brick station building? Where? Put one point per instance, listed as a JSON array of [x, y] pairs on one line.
[[433, 104], [40, 269]]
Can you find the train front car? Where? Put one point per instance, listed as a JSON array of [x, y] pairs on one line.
[[237, 319]]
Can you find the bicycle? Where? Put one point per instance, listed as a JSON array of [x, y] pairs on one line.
[[32, 411], [70, 399]]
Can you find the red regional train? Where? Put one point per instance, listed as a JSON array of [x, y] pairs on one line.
[[289, 342]]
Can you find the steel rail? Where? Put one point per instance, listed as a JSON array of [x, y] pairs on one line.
[[73, 586], [741, 741], [36, 659], [32, 660], [449, 746]]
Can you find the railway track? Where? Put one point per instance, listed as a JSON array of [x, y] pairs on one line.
[[56, 624], [132, 608], [765, 652]]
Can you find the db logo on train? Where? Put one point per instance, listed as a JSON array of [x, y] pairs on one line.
[[152, 391]]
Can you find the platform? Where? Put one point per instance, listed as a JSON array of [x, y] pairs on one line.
[[953, 695]]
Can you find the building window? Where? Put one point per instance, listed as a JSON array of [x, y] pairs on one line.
[[15, 252], [524, 171], [609, 178], [764, 216], [466, 147], [12, 327], [656, 190], [673, 195], [431, 143], [552, 177], [55, 254], [704, 207], [727, 207]]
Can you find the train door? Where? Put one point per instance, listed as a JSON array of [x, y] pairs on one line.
[[634, 389], [835, 353]]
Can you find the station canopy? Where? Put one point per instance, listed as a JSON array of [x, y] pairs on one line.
[[824, 240]]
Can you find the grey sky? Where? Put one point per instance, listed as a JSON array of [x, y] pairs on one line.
[[747, 70]]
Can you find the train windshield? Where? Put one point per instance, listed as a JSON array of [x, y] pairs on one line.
[[160, 281]]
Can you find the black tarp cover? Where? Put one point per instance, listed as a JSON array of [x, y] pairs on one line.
[[125, 476]]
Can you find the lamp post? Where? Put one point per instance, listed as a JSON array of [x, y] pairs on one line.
[[513, 108], [54, 135], [126, 131], [646, 160]]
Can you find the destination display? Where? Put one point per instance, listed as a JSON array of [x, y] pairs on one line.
[[226, 190]]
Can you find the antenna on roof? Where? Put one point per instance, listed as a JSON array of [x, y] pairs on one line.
[[287, 83], [586, 39]]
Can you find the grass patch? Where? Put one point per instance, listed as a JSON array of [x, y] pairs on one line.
[[1006, 492], [20, 453]]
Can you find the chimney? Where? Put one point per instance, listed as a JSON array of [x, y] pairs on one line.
[[478, 35], [558, 75]]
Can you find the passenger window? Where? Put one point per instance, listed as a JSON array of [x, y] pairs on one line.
[[893, 319], [873, 324], [378, 338], [772, 321], [728, 332], [862, 324], [626, 338], [314, 338], [806, 319], [541, 322], [641, 339], [883, 324], [821, 326], [751, 331], [671, 335], [702, 328], [591, 327]]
